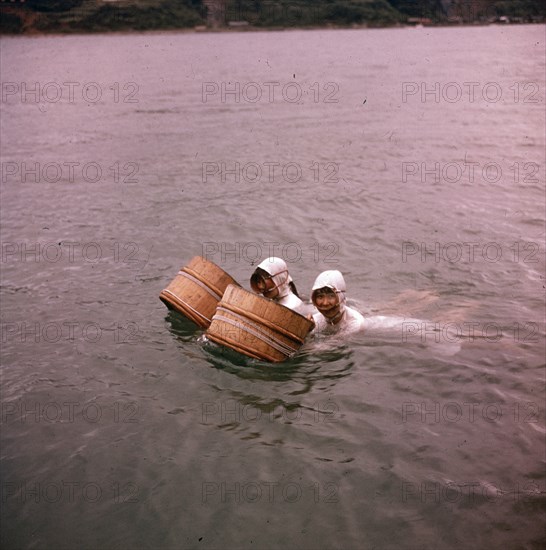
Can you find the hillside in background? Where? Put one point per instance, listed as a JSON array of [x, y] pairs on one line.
[[99, 16], [36, 16]]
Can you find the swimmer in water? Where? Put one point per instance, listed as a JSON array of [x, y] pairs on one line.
[[272, 280], [333, 316]]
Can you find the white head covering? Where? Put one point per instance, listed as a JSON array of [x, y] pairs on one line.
[[332, 279], [277, 268]]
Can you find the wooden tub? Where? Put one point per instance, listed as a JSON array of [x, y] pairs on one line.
[[256, 326], [196, 290]]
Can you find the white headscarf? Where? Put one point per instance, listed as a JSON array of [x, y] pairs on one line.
[[277, 268], [334, 280]]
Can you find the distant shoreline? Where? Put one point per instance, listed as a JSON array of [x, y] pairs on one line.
[[68, 17], [250, 28]]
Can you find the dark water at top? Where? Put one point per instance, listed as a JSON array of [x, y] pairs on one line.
[[413, 161]]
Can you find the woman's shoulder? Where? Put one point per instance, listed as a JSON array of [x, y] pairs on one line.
[[291, 301], [354, 318]]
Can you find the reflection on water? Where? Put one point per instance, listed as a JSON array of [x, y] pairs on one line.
[[319, 358], [181, 327], [309, 363]]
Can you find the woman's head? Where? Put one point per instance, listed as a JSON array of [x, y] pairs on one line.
[[262, 283], [328, 295], [271, 279]]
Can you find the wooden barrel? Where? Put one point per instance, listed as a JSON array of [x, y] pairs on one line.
[[256, 326], [196, 290]]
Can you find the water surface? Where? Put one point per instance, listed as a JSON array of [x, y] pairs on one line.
[[120, 429]]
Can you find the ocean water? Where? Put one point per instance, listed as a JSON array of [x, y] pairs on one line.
[[410, 159]]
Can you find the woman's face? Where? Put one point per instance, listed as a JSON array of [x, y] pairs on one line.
[[266, 286], [327, 302]]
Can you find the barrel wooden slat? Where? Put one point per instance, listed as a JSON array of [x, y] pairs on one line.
[[257, 327], [237, 346], [196, 290], [274, 327]]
